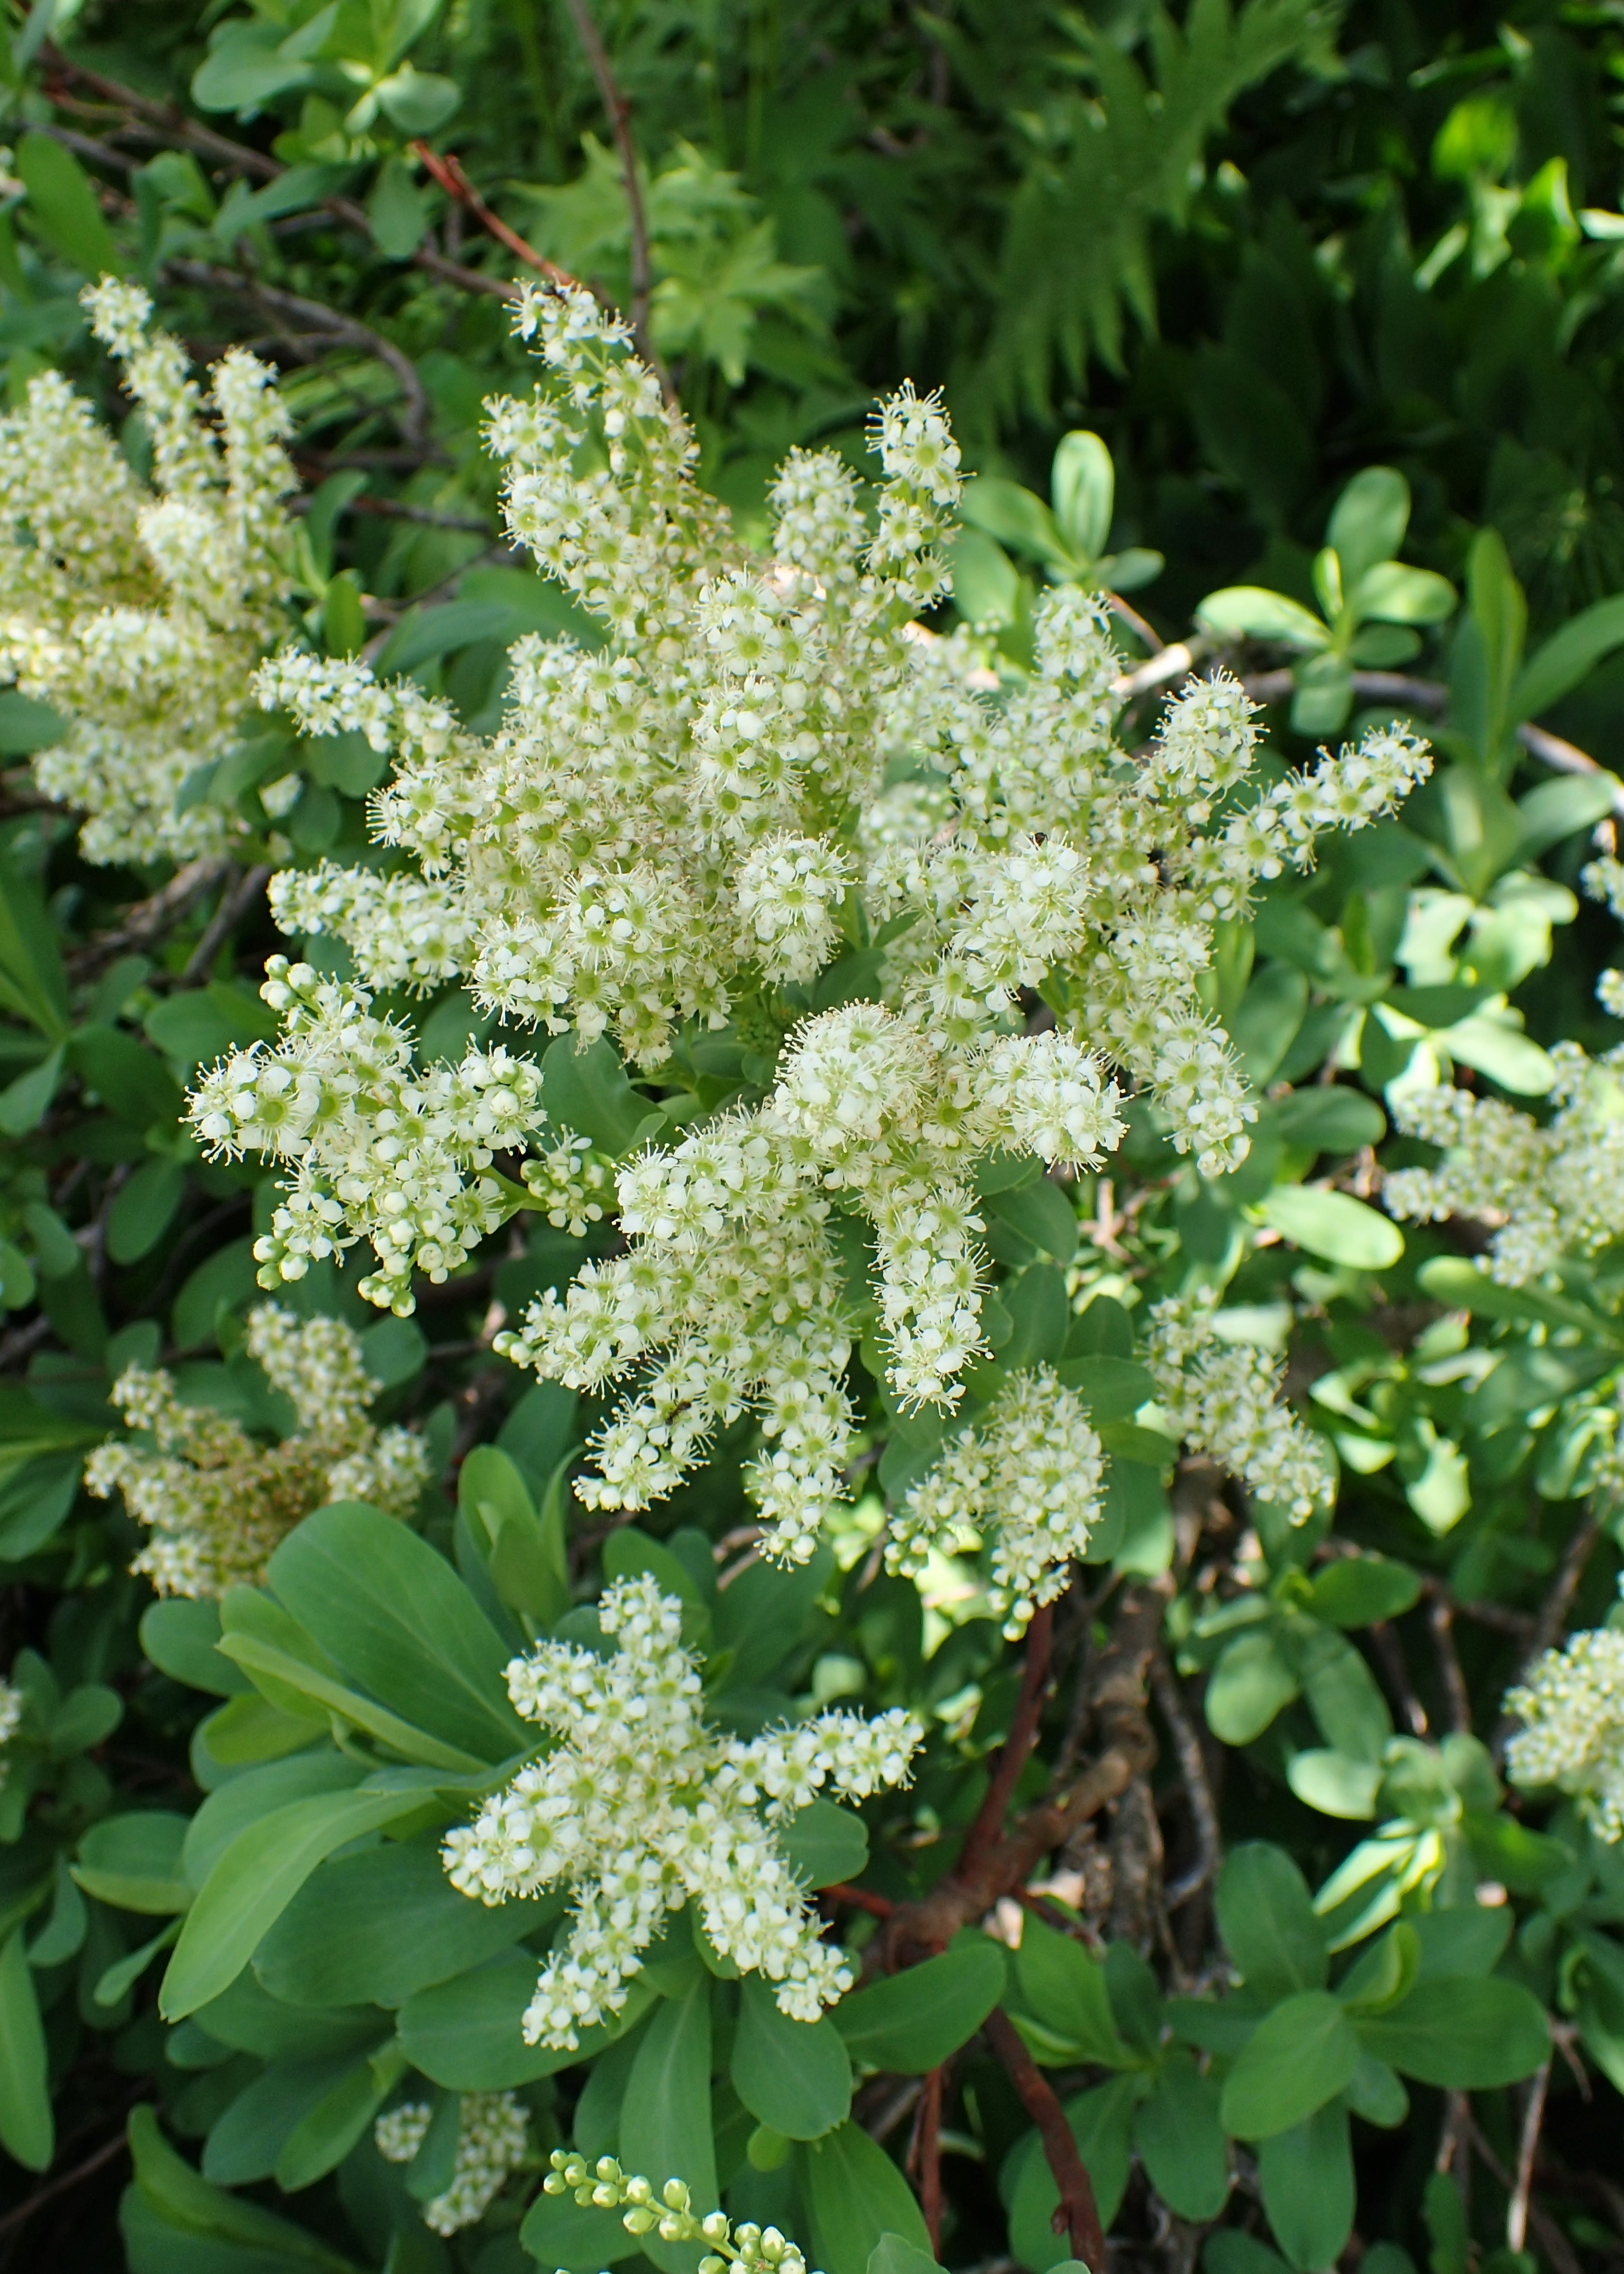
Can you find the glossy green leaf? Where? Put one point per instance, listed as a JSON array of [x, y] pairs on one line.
[[1267, 1918], [1368, 521], [134, 1862], [1465, 2033], [1179, 2136], [26, 2129], [256, 1880], [1062, 2001], [63, 207], [854, 2194], [1307, 2182], [397, 1617], [665, 2115], [377, 1927], [1250, 1683], [794, 2075], [1300, 2055], [464, 2032], [911, 2021], [1334, 1225], [1358, 1590], [1249, 612]]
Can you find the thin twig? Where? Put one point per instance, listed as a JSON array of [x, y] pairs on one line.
[[1192, 1769], [1022, 1736], [148, 918], [925, 2156], [447, 171], [1547, 2233], [1168, 663], [60, 2185], [414, 419], [163, 123], [1533, 2116], [233, 906], [1079, 2212], [860, 1899], [1456, 1692], [1127, 1750], [1431, 694], [619, 112]]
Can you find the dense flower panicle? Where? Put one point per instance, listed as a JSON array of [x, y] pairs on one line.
[[1551, 1190], [763, 763], [670, 2213], [380, 1148], [216, 1503], [641, 1808], [1024, 1480], [138, 613], [493, 2140], [1572, 1709], [1224, 1399]]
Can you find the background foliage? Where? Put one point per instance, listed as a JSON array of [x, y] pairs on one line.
[[1258, 252]]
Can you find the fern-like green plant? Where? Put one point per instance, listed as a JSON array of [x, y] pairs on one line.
[[1077, 243]]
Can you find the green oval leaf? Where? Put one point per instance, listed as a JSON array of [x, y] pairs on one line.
[[1334, 1225], [1300, 2055]]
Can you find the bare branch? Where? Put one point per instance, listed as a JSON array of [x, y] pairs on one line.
[[1533, 2116], [447, 171], [414, 419], [1192, 1769], [1079, 2212], [619, 112]]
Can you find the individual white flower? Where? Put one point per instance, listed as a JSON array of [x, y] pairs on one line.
[[493, 2140], [216, 1503], [641, 1808], [1572, 1709]]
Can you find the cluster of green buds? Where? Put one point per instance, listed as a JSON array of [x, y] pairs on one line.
[[671, 2215]]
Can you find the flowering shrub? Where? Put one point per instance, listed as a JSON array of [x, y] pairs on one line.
[[895, 1117]]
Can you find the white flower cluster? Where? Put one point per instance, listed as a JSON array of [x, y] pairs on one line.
[[641, 1808], [1028, 1475], [688, 824], [1223, 1400], [138, 613], [1551, 1189], [1572, 1709], [493, 2140], [381, 1149], [747, 2247], [216, 1503]]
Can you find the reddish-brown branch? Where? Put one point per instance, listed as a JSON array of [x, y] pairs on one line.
[[859, 1899], [1127, 1750], [925, 2160], [1079, 2213], [1017, 1745], [620, 110], [447, 171]]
